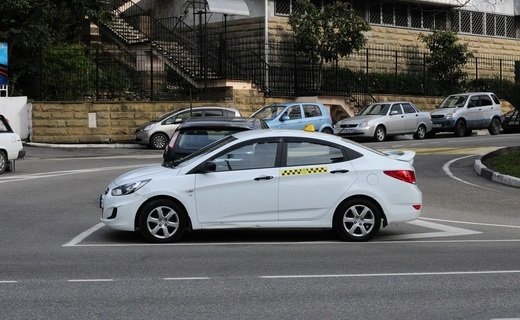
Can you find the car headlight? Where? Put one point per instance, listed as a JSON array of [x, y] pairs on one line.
[[364, 124], [449, 116], [148, 127], [129, 188]]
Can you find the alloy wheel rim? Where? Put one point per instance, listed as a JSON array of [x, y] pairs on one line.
[[162, 222], [159, 142], [359, 221]]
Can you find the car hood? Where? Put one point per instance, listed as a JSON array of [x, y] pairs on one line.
[[406, 155], [358, 119], [443, 111], [144, 173], [141, 127]]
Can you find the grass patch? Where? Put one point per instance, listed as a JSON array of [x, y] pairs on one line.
[[508, 163]]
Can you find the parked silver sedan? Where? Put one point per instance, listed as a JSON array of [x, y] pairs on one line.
[[380, 120]]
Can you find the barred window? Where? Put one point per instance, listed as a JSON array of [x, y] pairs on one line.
[[477, 23], [375, 13], [401, 15], [465, 21], [388, 13], [490, 24], [282, 7]]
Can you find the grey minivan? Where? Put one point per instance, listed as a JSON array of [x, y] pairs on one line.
[[157, 133]]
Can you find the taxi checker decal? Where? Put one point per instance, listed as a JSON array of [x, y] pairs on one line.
[[301, 171]]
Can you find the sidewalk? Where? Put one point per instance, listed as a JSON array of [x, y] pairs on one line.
[[495, 176]]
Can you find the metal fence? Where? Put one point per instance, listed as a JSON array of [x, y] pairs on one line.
[[115, 74]]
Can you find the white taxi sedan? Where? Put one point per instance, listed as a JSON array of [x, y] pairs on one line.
[[268, 179]]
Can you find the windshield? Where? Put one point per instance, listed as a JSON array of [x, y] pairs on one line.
[[166, 115], [269, 112], [454, 101], [201, 152], [375, 109]]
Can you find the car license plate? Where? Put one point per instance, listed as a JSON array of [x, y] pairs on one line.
[[101, 202], [437, 125]]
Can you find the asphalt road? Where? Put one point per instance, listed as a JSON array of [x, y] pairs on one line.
[[460, 260]]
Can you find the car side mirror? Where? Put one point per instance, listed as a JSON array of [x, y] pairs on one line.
[[393, 112], [285, 118], [207, 167], [177, 121]]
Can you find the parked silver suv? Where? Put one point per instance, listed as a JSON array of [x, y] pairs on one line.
[[461, 113], [158, 132]]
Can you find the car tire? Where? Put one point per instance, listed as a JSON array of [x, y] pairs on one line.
[[460, 128], [3, 162], [357, 219], [327, 131], [420, 133], [158, 141], [162, 220], [380, 134], [494, 127]]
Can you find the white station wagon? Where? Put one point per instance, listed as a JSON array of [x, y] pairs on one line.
[[268, 179]]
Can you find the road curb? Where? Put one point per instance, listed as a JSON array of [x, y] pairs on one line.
[[87, 145], [495, 176]]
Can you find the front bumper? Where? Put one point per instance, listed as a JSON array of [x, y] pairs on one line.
[[354, 131], [142, 137], [21, 154], [443, 125], [119, 212]]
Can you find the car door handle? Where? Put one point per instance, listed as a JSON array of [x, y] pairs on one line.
[[263, 178], [339, 171]]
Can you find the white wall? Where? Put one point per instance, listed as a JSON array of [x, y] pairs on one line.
[[18, 111]]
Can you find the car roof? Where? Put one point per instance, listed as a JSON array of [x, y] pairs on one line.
[[471, 93], [287, 133], [290, 103], [241, 122]]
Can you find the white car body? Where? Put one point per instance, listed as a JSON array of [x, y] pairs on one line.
[[463, 112], [11, 147], [287, 196]]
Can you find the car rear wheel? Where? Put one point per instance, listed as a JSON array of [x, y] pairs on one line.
[[420, 133], [3, 162], [162, 220], [159, 141], [460, 128], [380, 134], [494, 127], [357, 219], [327, 131]]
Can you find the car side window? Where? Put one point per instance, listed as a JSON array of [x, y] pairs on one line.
[[250, 156], [473, 102], [485, 100], [294, 112], [309, 153], [495, 99], [311, 111], [3, 127], [408, 108], [396, 109], [212, 113]]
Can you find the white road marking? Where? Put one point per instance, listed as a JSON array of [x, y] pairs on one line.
[[82, 236], [8, 281], [446, 231], [107, 157], [43, 175], [90, 280], [404, 274], [473, 223], [446, 169], [187, 278]]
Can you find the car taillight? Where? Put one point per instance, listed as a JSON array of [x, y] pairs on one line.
[[403, 175], [173, 140]]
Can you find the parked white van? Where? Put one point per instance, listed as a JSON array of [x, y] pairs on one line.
[[461, 113], [11, 147]]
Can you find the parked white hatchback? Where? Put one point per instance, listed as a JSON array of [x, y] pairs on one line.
[[11, 147], [268, 179]]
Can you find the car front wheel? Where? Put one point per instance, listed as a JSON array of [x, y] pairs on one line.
[[460, 128], [162, 220], [357, 220], [380, 134], [3, 162]]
